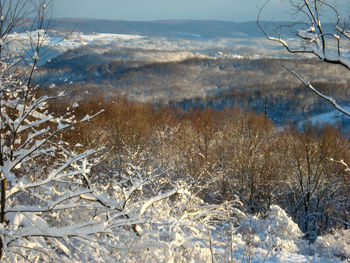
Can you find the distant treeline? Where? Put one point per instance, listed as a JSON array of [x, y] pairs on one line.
[[260, 85]]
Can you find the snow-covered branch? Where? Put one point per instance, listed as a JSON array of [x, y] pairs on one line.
[[318, 36], [317, 92]]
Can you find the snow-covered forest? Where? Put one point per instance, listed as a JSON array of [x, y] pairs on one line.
[[106, 179]]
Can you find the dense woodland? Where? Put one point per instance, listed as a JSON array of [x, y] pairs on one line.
[[256, 84], [227, 153]]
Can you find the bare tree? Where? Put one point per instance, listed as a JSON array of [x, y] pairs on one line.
[[320, 31], [16, 14]]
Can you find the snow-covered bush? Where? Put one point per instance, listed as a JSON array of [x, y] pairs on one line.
[[40, 178], [336, 245], [275, 231], [172, 224]]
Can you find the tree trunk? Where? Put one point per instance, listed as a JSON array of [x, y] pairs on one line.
[[3, 200], [3, 203]]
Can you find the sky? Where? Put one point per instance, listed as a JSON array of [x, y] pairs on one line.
[[145, 10]]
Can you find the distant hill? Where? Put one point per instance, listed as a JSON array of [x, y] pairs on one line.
[[164, 28]]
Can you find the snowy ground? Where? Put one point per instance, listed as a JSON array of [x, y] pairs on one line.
[[332, 117], [329, 117], [57, 43]]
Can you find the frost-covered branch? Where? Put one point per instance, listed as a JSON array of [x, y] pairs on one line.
[[317, 35], [318, 41], [318, 93]]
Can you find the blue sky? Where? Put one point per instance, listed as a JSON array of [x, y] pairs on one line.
[[139, 10]]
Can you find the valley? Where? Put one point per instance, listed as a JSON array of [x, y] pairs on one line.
[[216, 69]]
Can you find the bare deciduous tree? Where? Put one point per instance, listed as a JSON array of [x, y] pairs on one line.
[[320, 30]]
